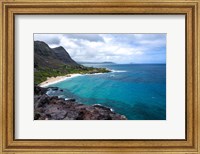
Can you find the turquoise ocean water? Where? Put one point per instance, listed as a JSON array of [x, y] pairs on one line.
[[137, 91]]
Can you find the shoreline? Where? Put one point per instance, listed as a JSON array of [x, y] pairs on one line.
[[57, 79], [53, 80]]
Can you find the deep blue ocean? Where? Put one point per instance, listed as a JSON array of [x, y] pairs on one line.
[[137, 91]]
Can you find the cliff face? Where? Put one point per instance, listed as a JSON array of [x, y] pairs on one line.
[[64, 57], [54, 108], [46, 57]]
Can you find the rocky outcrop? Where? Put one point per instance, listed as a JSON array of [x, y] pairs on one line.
[[39, 90], [54, 108]]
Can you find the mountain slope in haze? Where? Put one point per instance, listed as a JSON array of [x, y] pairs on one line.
[[106, 63], [63, 56], [52, 62]]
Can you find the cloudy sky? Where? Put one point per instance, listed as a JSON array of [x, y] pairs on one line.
[[118, 48]]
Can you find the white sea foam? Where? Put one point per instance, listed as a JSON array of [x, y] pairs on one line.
[[50, 91], [95, 74], [112, 110], [118, 71], [97, 104], [61, 96]]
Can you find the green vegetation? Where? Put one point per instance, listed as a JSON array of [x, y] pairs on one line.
[[41, 74]]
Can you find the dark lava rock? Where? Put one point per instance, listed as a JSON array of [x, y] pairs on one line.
[[54, 108], [53, 88], [54, 97], [39, 90], [43, 100], [102, 107], [36, 116]]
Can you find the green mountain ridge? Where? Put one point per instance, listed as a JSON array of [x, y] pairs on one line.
[[47, 57], [52, 62]]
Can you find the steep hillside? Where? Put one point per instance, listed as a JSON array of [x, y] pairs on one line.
[[63, 56], [46, 57]]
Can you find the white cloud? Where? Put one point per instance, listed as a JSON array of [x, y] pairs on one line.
[[118, 48], [51, 39]]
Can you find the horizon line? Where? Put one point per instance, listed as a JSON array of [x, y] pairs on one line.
[[117, 63]]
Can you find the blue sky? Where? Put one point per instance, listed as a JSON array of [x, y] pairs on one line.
[[117, 48]]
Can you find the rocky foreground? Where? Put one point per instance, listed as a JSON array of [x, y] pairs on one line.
[[54, 108]]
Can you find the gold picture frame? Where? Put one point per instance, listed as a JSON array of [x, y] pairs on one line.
[[9, 8]]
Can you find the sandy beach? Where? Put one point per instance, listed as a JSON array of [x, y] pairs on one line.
[[53, 80]]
